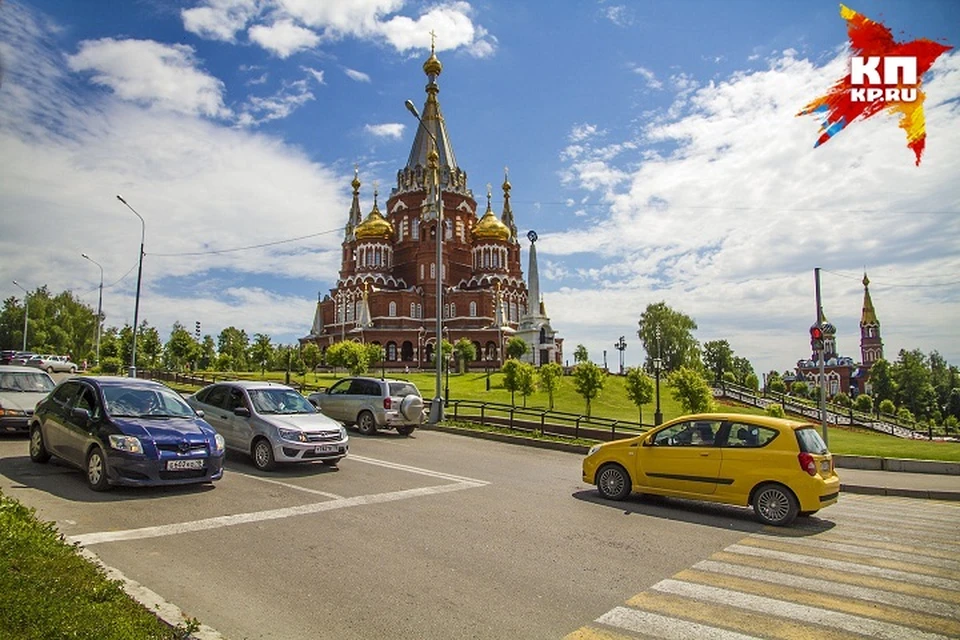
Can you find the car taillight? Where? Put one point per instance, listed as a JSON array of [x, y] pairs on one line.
[[807, 463], [387, 402]]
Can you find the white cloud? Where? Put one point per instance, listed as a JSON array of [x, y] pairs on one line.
[[357, 76], [258, 110], [283, 38], [219, 19], [316, 74], [648, 76], [453, 21], [151, 73], [619, 15], [389, 130], [738, 205], [582, 132]]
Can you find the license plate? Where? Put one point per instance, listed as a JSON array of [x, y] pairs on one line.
[[825, 465], [184, 465], [326, 448]]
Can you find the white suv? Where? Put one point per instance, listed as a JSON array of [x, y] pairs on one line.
[[372, 403]]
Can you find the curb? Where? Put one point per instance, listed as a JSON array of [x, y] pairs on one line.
[[928, 494]]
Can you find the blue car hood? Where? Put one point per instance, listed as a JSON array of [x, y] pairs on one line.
[[166, 429]]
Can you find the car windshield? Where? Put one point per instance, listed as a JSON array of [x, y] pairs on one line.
[[398, 389], [26, 382], [145, 402], [810, 441], [272, 401]]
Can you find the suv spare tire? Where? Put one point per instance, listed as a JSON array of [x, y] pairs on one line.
[[411, 408]]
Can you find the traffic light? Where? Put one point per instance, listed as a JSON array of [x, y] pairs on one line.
[[816, 338], [197, 330]]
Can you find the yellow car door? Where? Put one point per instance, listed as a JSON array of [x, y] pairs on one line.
[[681, 459]]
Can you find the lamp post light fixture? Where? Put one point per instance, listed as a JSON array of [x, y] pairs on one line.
[[657, 365], [136, 304], [436, 407], [99, 305], [26, 312], [620, 346]]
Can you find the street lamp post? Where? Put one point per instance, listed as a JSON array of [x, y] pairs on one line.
[[136, 304], [657, 364], [620, 346], [26, 312], [446, 383], [99, 305], [436, 407]]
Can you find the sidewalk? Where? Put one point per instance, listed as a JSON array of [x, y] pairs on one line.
[[899, 483]]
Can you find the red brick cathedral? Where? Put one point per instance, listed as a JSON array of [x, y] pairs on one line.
[[386, 292]]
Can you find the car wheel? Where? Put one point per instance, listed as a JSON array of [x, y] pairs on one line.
[[405, 430], [366, 423], [613, 482], [263, 455], [73, 370], [97, 470], [38, 450], [330, 463], [49, 369], [775, 504]]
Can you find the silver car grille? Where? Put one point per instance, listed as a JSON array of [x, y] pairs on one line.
[[323, 436]]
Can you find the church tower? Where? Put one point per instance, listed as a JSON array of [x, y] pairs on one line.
[[871, 346]]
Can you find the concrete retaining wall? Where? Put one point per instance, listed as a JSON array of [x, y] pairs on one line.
[[897, 464]]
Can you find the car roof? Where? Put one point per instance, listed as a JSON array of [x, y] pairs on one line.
[[750, 418], [253, 384], [119, 381], [15, 368]]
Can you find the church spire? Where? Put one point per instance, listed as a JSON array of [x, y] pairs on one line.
[[871, 345], [433, 123], [355, 217], [869, 314], [507, 216]]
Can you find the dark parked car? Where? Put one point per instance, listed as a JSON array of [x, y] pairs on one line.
[[124, 431], [20, 358], [6, 356]]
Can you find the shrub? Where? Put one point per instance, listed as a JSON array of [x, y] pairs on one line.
[[863, 403], [110, 365], [887, 407], [843, 400], [775, 410], [800, 389]]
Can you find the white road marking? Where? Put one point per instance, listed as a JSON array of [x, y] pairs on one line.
[[423, 472], [901, 600], [288, 485], [655, 625], [789, 610], [849, 567], [860, 550]]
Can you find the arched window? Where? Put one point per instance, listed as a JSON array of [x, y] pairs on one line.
[[453, 309], [446, 311], [349, 312], [421, 272], [391, 351], [473, 309], [433, 270], [413, 310], [392, 310], [415, 229], [419, 310]]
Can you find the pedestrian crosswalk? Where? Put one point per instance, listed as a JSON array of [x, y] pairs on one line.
[[873, 566]]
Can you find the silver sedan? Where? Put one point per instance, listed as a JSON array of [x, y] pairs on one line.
[[271, 422]]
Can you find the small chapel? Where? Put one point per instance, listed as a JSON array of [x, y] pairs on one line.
[[386, 292]]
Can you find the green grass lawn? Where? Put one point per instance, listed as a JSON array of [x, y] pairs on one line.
[[614, 403]]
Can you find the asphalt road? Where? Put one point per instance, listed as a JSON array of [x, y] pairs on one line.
[[433, 536]]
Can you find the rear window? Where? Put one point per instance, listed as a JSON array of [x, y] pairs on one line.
[[402, 389], [810, 441]]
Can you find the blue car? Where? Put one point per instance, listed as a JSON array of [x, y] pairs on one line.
[[124, 431]]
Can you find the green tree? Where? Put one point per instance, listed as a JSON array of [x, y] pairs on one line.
[[149, 346], [588, 380], [800, 389], [676, 345], [180, 348], [310, 354], [550, 376], [742, 369], [863, 403], [208, 353], [466, 353], [349, 355], [234, 343], [913, 383], [526, 380], [639, 388], [511, 378], [516, 347], [376, 354], [943, 378], [261, 351], [842, 399], [882, 385], [752, 382], [905, 415], [717, 358], [580, 354], [690, 390]]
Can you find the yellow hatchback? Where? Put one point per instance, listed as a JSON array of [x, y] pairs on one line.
[[781, 468]]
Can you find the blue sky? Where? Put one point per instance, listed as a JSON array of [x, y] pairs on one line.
[[652, 145]]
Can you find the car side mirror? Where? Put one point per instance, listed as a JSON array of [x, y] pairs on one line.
[[80, 415], [243, 412], [199, 412]]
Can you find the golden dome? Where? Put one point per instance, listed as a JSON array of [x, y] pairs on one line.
[[374, 227], [432, 66], [490, 228]]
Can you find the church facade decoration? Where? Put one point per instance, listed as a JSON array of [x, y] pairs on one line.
[[386, 289]]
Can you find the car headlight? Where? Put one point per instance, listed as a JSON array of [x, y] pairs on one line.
[[293, 435], [128, 444], [12, 412], [220, 443], [594, 449], [343, 433]]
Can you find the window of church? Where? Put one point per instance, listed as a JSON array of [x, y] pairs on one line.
[[419, 310], [446, 311], [391, 351], [421, 272], [349, 313], [415, 229], [473, 309], [392, 310], [453, 309], [433, 270], [413, 310]]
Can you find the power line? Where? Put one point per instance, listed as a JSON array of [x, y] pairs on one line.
[[887, 285], [247, 248]]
